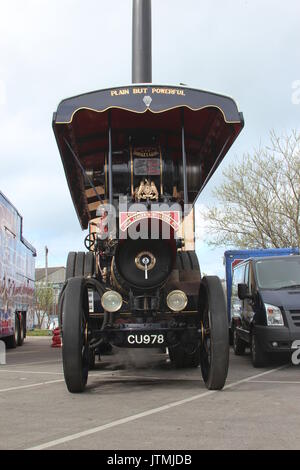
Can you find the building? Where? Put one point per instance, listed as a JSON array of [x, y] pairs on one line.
[[56, 279]]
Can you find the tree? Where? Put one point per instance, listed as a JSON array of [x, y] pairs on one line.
[[44, 303], [259, 201]]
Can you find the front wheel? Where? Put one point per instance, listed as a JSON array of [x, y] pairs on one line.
[[258, 356], [214, 350], [75, 350], [239, 346]]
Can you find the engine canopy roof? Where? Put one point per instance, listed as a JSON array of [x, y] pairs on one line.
[[211, 124]]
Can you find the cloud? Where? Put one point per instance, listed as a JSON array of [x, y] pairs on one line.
[[2, 93], [52, 49]]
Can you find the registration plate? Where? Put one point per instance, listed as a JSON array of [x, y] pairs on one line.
[[145, 339]]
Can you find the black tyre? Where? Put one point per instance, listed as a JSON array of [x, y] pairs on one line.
[[89, 264], [188, 269], [79, 264], [188, 265], [214, 351], [20, 338], [12, 341], [239, 346], [259, 357], [70, 267], [183, 261], [182, 357], [75, 350], [187, 260]]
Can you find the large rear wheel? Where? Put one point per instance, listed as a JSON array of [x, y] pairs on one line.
[[70, 268], [214, 350], [188, 266], [79, 264], [89, 264], [75, 349]]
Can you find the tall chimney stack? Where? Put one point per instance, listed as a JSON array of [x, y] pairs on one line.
[[141, 42]]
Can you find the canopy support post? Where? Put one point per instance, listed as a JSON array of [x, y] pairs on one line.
[[185, 187], [110, 181], [215, 165], [83, 170]]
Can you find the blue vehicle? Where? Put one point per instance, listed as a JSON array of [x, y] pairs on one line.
[[233, 257]]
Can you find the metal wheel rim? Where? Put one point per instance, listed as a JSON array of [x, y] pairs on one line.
[[206, 343], [84, 346]]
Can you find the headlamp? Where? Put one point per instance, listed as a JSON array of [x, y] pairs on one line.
[[111, 301], [177, 300], [274, 315]]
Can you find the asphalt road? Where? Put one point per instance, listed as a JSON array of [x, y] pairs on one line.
[[137, 400]]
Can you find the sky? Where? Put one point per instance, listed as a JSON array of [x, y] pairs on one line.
[[50, 49]]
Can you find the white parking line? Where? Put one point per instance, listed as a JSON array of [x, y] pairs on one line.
[[144, 414], [33, 363], [25, 352], [103, 375], [30, 386], [274, 382], [42, 372], [14, 371]]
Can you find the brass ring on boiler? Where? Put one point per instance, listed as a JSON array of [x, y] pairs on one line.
[[149, 255]]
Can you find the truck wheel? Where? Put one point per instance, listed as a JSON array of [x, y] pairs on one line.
[[214, 350], [79, 264], [12, 341], [239, 345], [258, 356], [182, 358], [75, 350], [70, 267], [20, 339]]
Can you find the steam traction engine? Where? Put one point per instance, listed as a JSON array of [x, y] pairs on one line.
[[135, 159]]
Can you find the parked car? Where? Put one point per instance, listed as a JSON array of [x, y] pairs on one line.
[[234, 257], [265, 306]]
